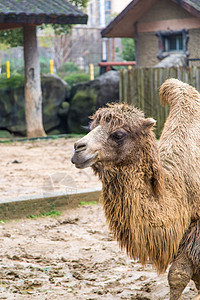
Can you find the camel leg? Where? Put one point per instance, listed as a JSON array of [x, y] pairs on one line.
[[179, 276]]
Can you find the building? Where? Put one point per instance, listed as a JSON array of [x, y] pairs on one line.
[[86, 43], [160, 28]]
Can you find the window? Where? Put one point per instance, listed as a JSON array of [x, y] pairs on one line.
[[91, 15], [172, 41], [107, 5]]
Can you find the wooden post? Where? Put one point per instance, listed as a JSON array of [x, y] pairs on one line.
[[33, 94], [113, 49], [51, 66], [91, 67], [7, 69]]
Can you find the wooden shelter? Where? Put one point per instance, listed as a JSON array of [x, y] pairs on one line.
[[160, 28], [27, 14], [125, 24]]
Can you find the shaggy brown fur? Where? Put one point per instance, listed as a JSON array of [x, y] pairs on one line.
[[180, 139], [147, 219], [150, 192]]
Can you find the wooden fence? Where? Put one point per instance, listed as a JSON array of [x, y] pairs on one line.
[[140, 87]]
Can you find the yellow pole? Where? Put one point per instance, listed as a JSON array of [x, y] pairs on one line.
[[7, 69], [51, 66], [91, 72]]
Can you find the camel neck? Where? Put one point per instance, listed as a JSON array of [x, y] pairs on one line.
[[145, 225]]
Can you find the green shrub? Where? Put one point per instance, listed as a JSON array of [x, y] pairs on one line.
[[16, 80], [69, 67], [16, 66], [44, 65], [76, 78]]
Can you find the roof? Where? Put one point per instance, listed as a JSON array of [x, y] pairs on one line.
[[38, 12], [123, 24]]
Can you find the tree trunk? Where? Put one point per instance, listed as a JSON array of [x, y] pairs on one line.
[[33, 94]]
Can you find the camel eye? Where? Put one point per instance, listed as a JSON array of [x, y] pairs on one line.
[[117, 136]]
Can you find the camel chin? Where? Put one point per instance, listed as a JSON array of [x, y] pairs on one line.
[[82, 162]]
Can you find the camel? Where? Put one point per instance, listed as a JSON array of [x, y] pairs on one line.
[[150, 189]]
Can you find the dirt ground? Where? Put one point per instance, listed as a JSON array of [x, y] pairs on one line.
[[40, 167], [71, 256]]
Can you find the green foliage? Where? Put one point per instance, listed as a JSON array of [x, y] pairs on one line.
[[12, 82], [69, 67], [44, 65], [12, 38], [46, 39], [87, 203], [51, 213], [16, 66], [128, 50], [76, 78], [79, 3], [4, 134]]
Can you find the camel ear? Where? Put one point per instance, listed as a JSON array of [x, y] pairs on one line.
[[148, 123]]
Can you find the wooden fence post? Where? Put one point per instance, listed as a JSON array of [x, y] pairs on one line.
[[140, 87]]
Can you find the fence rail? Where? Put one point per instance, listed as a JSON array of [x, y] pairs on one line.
[[140, 87]]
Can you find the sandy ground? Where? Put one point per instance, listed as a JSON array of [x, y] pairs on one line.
[[40, 167], [72, 256]]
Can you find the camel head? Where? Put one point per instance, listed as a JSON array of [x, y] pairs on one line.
[[118, 133]]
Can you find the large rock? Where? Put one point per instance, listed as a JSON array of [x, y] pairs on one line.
[[59, 112], [173, 60], [82, 105], [87, 97], [106, 88], [12, 115], [54, 92]]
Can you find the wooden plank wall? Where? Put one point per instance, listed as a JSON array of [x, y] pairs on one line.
[[140, 87]]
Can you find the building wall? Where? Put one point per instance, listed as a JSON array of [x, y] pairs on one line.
[[164, 15], [147, 49], [165, 10], [193, 45], [117, 6]]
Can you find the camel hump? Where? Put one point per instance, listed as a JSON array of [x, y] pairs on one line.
[[174, 90]]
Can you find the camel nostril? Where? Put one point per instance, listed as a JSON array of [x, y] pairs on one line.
[[79, 147]]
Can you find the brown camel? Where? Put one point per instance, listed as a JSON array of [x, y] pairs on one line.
[[151, 191]]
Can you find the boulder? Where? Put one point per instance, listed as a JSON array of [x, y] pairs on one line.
[[173, 60], [12, 115], [82, 105], [64, 110], [55, 92], [106, 88], [88, 96]]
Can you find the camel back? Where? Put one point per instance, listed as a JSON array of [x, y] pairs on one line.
[[180, 140]]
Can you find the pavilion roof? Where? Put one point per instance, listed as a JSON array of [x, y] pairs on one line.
[[37, 12]]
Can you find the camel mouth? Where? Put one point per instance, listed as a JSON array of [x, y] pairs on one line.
[[82, 164]]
